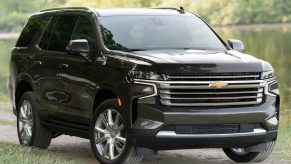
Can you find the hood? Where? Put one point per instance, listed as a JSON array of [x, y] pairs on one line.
[[201, 61]]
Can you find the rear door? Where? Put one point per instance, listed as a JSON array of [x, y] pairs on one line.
[[48, 64]]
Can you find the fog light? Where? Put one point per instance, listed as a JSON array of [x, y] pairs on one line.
[[272, 121], [147, 124]]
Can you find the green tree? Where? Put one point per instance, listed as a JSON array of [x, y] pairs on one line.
[[14, 13]]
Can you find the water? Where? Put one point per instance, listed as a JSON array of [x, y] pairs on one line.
[[270, 43]]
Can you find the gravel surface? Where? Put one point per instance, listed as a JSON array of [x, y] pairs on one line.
[[78, 148]]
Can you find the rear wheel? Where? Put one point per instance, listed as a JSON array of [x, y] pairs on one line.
[[240, 155], [109, 140], [29, 127]]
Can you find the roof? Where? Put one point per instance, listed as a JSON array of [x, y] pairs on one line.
[[120, 11], [139, 11]]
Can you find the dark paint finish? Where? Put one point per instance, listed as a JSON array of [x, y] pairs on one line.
[[66, 84]]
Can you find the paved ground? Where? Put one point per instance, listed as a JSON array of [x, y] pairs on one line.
[[77, 148]]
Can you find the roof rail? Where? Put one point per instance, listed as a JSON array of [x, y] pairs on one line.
[[167, 8], [180, 10], [66, 8]]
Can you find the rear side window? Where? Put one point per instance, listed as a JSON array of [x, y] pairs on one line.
[[31, 29], [61, 33]]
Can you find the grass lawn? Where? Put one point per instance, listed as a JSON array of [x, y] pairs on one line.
[[17, 154], [7, 122], [283, 145]]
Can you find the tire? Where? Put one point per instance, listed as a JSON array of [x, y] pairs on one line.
[[112, 136], [29, 126], [250, 156]]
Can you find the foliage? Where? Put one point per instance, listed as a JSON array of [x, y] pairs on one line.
[[14, 13], [17, 154], [5, 46], [224, 12]]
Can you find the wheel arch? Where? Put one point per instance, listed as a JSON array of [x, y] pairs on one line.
[[104, 93], [22, 86]]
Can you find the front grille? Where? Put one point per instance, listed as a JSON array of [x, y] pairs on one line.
[[213, 76], [212, 128], [189, 91]]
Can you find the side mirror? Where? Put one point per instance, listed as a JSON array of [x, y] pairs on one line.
[[78, 47], [236, 45]]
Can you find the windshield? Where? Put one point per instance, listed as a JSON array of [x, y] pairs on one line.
[[133, 33]]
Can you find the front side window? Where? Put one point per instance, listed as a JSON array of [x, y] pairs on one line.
[[85, 30], [158, 32], [61, 33]]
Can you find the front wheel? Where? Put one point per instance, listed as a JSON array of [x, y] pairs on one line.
[[241, 156], [108, 137]]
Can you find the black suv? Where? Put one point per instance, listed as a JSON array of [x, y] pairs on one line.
[[135, 81]]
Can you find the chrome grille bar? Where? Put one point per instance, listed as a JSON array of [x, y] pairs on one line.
[[208, 98], [205, 93], [214, 76], [206, 86], [200, 93], [211, 77], [168, 103]]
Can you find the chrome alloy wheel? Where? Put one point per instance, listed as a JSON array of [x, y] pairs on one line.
[[239, 151], [110, 138], [25, 122]]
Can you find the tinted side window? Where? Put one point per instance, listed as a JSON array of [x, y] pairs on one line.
[[85, 30], [45, 38], [30, 30], [61, 34]]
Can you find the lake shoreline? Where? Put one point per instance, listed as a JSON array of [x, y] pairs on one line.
[[261, 25], [7, 36]]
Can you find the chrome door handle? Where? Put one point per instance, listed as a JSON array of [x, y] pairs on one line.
[[37, 62], [63, 65]]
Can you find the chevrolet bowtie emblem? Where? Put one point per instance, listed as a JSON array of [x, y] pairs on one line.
[[218, 84]]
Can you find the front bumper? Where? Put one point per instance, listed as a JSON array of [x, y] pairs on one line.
[[149, 126]]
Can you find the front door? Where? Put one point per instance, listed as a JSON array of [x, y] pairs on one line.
[[80, 76]]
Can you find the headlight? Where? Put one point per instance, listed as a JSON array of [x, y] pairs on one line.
[[144, 90], [268, 75], [145, 75], [272, 88]]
